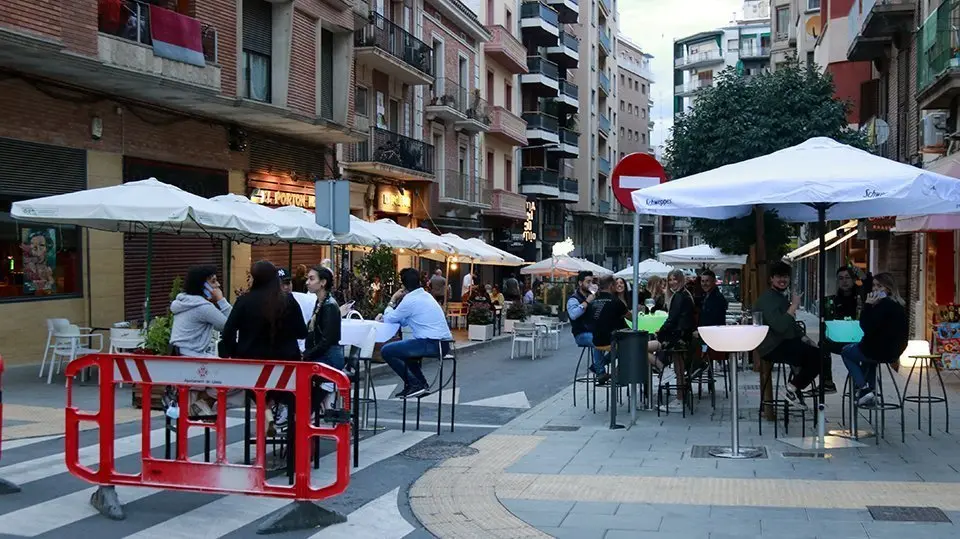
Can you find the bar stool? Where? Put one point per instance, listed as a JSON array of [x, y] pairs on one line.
[[437, 386], [589, 379], [776, 404], [665, 390], [709, 376], [880, 406], [926, 361]]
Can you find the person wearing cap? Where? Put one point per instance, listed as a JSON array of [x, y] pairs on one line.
[[307, 302]]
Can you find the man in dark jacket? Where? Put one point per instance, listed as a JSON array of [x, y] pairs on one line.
[[845, 304], [713, 311]]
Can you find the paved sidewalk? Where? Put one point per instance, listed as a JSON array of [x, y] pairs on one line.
[[559, 471]]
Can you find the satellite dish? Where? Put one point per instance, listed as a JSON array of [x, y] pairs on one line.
[[877, 131], [813, 27]]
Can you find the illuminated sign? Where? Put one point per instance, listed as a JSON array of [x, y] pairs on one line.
[[528, 232], [272, 197], [391, 200]]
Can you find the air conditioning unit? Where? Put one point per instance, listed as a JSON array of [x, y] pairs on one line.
[[933, 127]]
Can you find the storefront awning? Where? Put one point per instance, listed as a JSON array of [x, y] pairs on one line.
[[832, 245], [811, 247]]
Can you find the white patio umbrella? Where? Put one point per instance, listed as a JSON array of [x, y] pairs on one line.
[[366, 234], [295, 225], [647, 268], [507, 259], [817, 180], [145, 206], [700, 255], [923, 223], [563, 266], [420, 240]]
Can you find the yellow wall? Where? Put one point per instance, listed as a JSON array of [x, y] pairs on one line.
[[105, 265], [239, 252]]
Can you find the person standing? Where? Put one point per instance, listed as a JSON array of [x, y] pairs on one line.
[[467, 285], [412, 307], [323, 329], [438, 287], [511, 288]]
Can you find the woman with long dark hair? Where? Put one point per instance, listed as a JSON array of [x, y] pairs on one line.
[[323, 330], [622, 291]]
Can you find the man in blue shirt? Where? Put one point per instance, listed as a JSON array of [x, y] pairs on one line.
[[413, 307]]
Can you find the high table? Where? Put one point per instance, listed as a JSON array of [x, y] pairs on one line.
[[651, 323], [734, 339], [846, 332]]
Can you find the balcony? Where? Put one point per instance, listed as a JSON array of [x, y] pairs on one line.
[[938, 66], [542, 128], [566, 53], [568, 11], [451, 103], [506, 49], [699, 59], [388, 48], [606, 45], [542, 77], [568, 146], [539, 23], [603, 207], [691, 87], [604, 84], [569, 190], [875, 23], [391, 155], [604, 124], [507, 204], [478, 116], [603, 166], [507, 127], [463, 189], [569, 96], [539, 181], [755, 52], [605, 7]]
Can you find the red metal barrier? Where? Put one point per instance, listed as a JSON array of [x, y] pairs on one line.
[[218, 476]]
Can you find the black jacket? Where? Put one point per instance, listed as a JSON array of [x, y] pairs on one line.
[[679, 324], [885, 330], [714, 309], [325, 332], [246, 334]]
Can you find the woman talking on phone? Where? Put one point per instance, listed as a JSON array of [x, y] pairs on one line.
[[885, 332]]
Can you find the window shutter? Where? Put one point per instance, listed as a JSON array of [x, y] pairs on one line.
[[258, 26]]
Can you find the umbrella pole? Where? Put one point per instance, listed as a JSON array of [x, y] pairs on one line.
[[229, 269], [822, 270], [290, 257], [146, 303]]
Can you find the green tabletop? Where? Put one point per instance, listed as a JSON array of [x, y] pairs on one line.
[[649, 323], [844, 331]]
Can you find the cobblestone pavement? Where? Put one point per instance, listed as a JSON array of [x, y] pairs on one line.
[[558, 470]]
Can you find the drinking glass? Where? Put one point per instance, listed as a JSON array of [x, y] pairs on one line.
[[649, 304], [757, 318]]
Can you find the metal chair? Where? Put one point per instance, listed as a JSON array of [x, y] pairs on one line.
[[437, 387], [776, 403], [926, 362], [589, 379], [881, 406]]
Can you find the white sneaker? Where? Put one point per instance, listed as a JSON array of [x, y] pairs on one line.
[[675, 404], [201, 408]]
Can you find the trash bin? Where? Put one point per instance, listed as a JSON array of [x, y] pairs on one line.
[[629, 350]]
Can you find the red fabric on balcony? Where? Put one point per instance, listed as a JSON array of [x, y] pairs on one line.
[[109, 13]]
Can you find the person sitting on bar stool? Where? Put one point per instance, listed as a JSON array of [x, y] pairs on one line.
[[675, 334], [606, 314], [582, 326], [885, 334], [323, 330], [413, 307]]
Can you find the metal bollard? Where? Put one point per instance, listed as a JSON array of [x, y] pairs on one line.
[[6, 487]]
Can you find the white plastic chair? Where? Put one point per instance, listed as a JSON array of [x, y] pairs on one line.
[[525, 333], [67, 345], [54, 326], [124, 340]]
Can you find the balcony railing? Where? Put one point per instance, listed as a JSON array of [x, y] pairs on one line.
[[447, 93], [604, 123], [393, 149], [569, 89], [605, 40], [508, 123], [605, 83], [603, 206], [568, 136], [570, 41], [603, 165], [383, 34], [756, 51], [570, 185], [536, 10], [464, 187], [689, 59], [134, 24], [505, 43], [539, 176], [937, 40], [540, 120], [542, 66], [693, 86], [507, 204]]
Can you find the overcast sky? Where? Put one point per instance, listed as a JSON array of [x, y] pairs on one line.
[[654, 24]]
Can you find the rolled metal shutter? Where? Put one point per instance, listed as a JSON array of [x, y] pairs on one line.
[[308, 162], [258, 26], [326, 74], [308, 255], [172, 254], [32, 170]]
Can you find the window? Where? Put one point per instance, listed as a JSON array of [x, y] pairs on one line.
[[733, 45], [813, 5], [508, 21], [783, 22], [621, 131], [40, 260], [643, 89], [508, 96], [630, 108], [621, 78], [810, 59], [636, 86], [508, 174], [490, 87], [256, 76], [643, 138], [622, 104], [643, 113], [490, 12], [360, 98]]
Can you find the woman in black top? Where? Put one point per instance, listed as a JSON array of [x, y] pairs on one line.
[[676, 331], [323, 331]]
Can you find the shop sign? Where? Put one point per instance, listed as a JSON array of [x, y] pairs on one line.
[[391, 200], [878, 226], [272, 197], [528, 233]]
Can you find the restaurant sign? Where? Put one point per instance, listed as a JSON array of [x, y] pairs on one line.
[[528, 232], [272, 197], [391, 199]]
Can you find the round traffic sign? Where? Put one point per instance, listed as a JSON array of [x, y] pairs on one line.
[[635, 171]]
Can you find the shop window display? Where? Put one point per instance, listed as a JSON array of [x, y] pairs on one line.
[[37, 260]]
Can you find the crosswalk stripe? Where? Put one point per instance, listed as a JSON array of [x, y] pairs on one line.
[[51, 465], [23, 442], [379, 519], [233, 512], [56, 513]]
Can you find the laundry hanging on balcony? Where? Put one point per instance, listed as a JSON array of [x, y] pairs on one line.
[[176, 36]]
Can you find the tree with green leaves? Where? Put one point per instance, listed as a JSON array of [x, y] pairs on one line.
[[741, 118]]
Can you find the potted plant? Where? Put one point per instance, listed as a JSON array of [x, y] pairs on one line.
[[480, 323], [516, 312]]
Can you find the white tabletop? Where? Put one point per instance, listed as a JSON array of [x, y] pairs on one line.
[[365, 334]]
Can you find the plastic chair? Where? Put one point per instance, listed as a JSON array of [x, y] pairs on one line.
[[54, 326], [525, 333], [67, 345]]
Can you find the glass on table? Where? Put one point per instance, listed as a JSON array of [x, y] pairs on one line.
[[757, 318]]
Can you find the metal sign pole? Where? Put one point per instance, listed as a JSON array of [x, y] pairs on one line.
[[635, 299]]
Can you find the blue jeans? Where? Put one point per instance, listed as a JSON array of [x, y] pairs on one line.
[[862, 369], [333, 357], [600, 359], [398, 354]]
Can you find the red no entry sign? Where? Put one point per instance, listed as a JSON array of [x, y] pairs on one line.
[[635, 171]]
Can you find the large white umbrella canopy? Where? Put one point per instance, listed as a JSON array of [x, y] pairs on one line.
[[698, 255], [563, 266], [144, 206], [366, 234], [423, 240], [491, 252], [292, 225], [469, 252], [647, 268], [849, 183]]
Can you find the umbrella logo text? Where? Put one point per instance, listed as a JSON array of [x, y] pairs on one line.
[[659, 202], [873, 193]]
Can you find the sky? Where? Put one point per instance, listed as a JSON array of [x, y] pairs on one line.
[[653, 25]]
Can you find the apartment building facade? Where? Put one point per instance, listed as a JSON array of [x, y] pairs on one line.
[[259, 100]]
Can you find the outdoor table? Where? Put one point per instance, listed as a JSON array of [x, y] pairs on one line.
[[651, 323], [734, 339], [846, 332], [364, 335]]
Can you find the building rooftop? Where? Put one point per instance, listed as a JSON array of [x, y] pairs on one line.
[[699, 36]]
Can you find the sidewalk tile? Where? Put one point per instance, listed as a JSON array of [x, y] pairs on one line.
[[595, 508], [631, 534], [551, 519], [670, 509], [646, 522], [575, 533], [910, 530], [758, 513], [735, 527], [537, 506], [829, 515]]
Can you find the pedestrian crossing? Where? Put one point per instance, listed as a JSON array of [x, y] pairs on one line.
[[53, 503]]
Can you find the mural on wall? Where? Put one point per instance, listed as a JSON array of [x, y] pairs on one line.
[[39, 246]]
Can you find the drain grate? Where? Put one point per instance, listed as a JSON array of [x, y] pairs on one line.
[[560, 428], [806, 454], [703, 451], [903, 513], [439, 451]]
